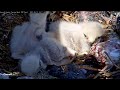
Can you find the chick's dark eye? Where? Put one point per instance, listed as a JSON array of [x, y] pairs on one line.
[[39, 37], [85, 35]]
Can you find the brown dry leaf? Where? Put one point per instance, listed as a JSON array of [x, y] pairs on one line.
[[54, 17], [69, 18], [107, 21], [64, 68]]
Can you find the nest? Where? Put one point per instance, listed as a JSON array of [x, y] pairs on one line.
[[9, 20]]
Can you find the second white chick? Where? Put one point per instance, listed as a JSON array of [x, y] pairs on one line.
[[77, 37]]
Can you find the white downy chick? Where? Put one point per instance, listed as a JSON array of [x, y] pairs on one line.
[[23, 38], [76, 36], [48, 52]]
